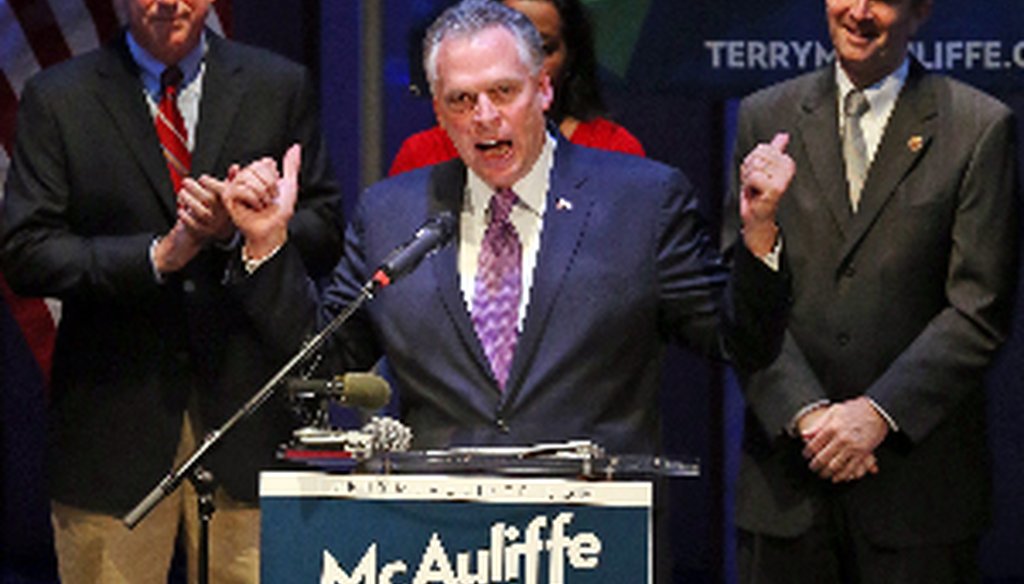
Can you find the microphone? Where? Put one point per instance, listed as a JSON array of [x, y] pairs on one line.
[[431, 236], [361, 390]]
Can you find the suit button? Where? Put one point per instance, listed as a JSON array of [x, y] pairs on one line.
[[849, 272], [843, 339], [502, 425], [189, 286]]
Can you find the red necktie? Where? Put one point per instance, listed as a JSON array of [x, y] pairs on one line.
[[170, 127], [499, 287]]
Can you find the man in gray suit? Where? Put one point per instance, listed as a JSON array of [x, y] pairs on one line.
[[864, 458], [136, 250]]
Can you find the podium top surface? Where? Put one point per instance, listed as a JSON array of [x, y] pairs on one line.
[[489, 489], [569, 460]]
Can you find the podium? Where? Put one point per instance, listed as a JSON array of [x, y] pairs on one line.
[[424, 529]]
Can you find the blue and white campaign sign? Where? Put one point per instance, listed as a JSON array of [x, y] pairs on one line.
[[402, 529]]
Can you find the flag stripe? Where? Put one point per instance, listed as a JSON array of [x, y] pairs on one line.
[[104, 19], [41, 28], [18, 61], [222, 10], [75, 24], [36, 323]]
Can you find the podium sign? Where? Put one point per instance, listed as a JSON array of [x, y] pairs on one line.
[[415, 529]]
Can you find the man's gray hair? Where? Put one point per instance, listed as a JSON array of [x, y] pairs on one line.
[[470, 17]]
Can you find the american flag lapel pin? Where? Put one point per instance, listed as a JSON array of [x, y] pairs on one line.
[[915, 143], [563, 204]]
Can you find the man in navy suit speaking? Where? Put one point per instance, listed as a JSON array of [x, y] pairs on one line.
[[572, 268]]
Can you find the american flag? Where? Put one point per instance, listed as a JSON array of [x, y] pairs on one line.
[[35, 34]]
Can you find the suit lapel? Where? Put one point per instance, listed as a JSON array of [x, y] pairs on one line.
[[120, 92], [818, 132], [447, 191], [222, 95], [565, 218], [567, 210], [907, 137]]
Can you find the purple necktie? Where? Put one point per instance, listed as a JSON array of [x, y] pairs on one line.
[[498, 287]]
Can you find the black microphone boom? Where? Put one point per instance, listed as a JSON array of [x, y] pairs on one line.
[[430, 237]]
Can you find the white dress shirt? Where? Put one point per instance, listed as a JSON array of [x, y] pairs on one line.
[[527, 216], [881, 97], [192, 66]]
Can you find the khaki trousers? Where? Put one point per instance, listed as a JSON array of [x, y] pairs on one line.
[[96, 547]]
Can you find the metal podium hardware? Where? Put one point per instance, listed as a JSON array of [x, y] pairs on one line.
[[577, 459], [380, 434]]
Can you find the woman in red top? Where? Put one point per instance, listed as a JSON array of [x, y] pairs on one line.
[[577, 108]]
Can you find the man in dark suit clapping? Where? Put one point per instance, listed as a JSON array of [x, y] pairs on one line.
[[102, 211]]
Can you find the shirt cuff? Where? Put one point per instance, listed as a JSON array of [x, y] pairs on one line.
[[157, 276], [885, 415], [253, 264], [774, 257], [791, 428]]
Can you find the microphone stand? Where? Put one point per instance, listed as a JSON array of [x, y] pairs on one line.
[[203, 479]]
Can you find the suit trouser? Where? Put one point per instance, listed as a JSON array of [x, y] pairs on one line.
[[835, 551], [96, 547]]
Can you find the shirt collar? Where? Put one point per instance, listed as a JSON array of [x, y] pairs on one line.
[[882, 95], [532, 189], [151, 67]]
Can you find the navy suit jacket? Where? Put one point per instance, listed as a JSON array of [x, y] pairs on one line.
[[622, 269], [87, 193]]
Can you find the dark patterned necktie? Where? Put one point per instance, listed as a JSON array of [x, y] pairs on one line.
[[170, 127], [855, 150], [498, 287]]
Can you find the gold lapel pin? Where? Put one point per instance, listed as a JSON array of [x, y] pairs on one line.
[[563, 204], [915, 143]]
